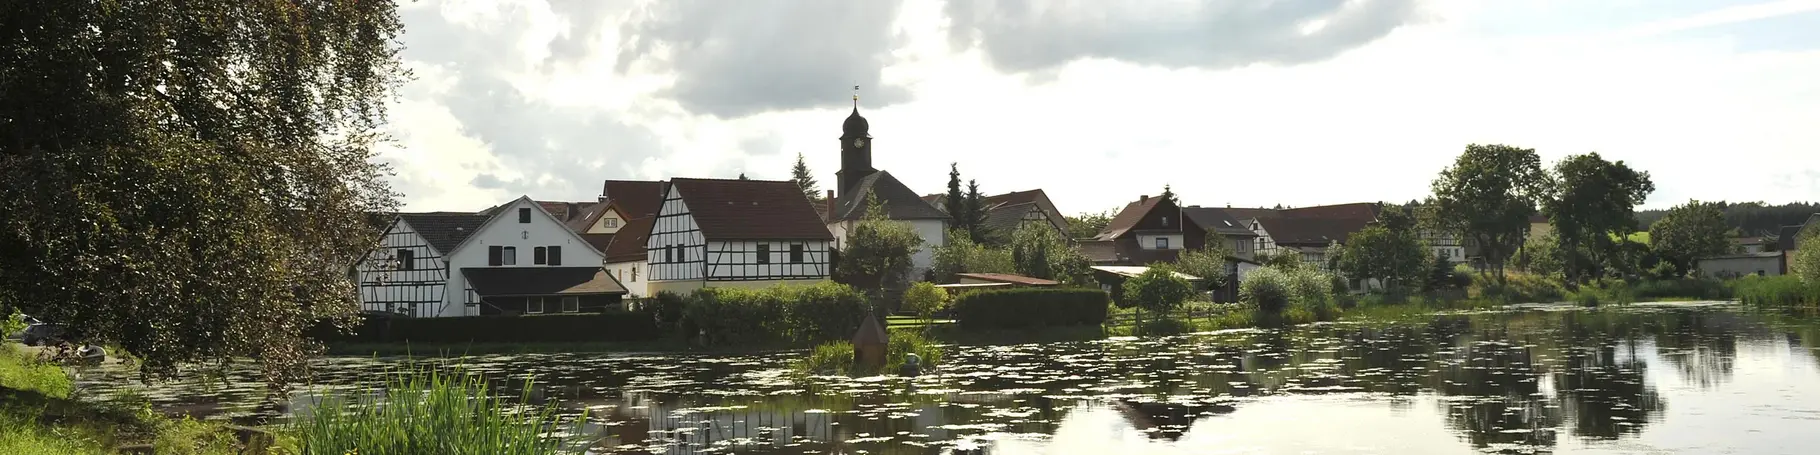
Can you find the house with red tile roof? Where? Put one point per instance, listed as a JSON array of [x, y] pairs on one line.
[[633, 207], [735, 233], [1146, 231]]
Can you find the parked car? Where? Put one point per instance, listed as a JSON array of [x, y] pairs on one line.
[[39, 333]]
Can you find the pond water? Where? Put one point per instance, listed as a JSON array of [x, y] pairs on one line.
[[1679, 378]]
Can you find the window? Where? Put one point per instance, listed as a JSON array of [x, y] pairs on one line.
[[571, 304], [555, 255], [496, 255], [609, 222], [534, 305], [524, 214], [1165, 221], [635, 274], [1162, 243], [537, 255], [764, 253], [796, 253], [406, 258], [508, 255], [668, 255]]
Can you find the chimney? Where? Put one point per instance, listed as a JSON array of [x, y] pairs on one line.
[[1143, 198], [829, 204]]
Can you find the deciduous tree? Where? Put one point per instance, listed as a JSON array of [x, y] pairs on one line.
[[925, 299], [191, 181], [1038, 251], [878, 250], [1689, 232], [1397, 258], [962, 255], [1088, 225], [1590, 202], [1487, 196], [1158, 290]]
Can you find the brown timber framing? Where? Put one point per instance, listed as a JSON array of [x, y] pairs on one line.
[[813, 266], [410, 289]]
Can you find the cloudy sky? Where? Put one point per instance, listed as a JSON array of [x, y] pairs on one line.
[[1241, 102]]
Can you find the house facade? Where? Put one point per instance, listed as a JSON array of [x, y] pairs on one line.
[[1239, 236], [634, 205], [1146, 231], [1006, 213], [735, 233], [408, 274]]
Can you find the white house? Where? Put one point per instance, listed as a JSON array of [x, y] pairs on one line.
[[518, 260], [631, 208], [735, 233]]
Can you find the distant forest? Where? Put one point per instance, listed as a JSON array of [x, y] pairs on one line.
[[1750, 218]]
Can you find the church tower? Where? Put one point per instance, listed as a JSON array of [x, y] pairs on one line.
[[855, 151]]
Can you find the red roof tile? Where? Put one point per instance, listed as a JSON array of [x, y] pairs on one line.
[[1009, 278], [629, 244], [639, 198], [750, 209]]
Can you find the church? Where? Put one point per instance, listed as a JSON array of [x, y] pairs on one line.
[[857, 179]]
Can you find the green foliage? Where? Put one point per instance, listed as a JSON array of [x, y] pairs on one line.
[[1207, 263], [12, 324], [1283, 259], [1804, 262], [728, 316], [426, 411], [1315, 291], [1397, 258], [1689, 232], [1541, 256], [577, 327], [187, 180], [1088, 224], [19, 371], [1487, 196], [804, 179], [1591, 201], [1520, 288], [1776, 291], [1169, 195], [1266, 290], [21, 434], [905, 342], [955, 202], [1038, 251], [1440, 275], [1031, 307], [973, 214], [963, 255], [836, 357], [1751, 218], [666, 309], [926, 299], [1158, 290], [878, 250]]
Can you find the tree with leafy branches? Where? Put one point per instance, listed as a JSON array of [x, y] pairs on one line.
[[878, 250], [1038, 251], [1158, 290], [191, 181], [1591, 203], [1087, 225], [962, 255], [1687, 233], [926, 299], [1804, 262], [804, 179], [1487, 196], [1396, 258]]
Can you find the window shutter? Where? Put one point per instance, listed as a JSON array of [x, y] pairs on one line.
[[537, 255], [524, 215], [495, 254], [555, 255]]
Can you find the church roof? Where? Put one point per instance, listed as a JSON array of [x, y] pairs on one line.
[[900, 202], [855, 126]]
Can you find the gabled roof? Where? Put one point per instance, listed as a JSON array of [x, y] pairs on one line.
[[750, 209], [444, 230], [1128, 218], [541, 281], [1311, 231], [600, 242], [497, 213], [629, 244], [588, 215], [636, 198], [1007, 217], [900, 202], [1218, 220]]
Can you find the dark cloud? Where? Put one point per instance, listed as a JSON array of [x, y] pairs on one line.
[[1029, 35], [562, 153], [737, 58]]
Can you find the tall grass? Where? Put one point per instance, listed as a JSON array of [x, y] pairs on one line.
[[21, 434], [836, 357], [19, 371], [1783, 291], [425, 411]]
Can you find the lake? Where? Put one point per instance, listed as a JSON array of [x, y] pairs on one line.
[[1667, 378]]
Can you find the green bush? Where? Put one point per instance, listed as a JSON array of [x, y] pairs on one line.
[[1158, 290], [1693, 288], [578, 327], [11, 324], [1031, 307], [424, 411], [1520, 288], [1266, 290], [820, 312], [666, 309], [1784, 291], [926, 299], [836, 357], [904, 342]]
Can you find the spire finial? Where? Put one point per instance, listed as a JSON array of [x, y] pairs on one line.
[[856, 97]]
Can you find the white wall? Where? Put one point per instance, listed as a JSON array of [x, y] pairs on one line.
[[934, 234], [1148, 241], [635, 283], [739, 259], [426, 266], [1735, 266], [674, 227], [505, 230]]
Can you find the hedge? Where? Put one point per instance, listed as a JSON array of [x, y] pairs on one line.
[[610, 326], [1031, 307], [804, 314]]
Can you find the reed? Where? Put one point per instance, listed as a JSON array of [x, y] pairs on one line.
[[424, 411]]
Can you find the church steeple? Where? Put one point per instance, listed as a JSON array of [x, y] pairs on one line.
[[855, 150]]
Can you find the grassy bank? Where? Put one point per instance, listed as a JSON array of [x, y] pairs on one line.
[[41, 413]]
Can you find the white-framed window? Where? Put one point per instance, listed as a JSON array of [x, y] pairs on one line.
[[571, 304], [508, 255], [534, 305], [609, 222], [1162, 243]]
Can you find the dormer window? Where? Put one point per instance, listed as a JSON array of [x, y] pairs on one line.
[[1165, 221], [609, 222]]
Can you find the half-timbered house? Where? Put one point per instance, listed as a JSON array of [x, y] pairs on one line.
[[735, 233], [407, 274]]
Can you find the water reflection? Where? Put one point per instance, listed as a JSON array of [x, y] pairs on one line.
[[1564, 381]]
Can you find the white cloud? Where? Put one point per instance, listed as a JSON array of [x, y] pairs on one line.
[[1707, 120]]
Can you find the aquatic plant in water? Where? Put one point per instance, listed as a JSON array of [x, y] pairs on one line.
[[426, 411]]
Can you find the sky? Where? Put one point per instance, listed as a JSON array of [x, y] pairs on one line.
[[1241, 103]]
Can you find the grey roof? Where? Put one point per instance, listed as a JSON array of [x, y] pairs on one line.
[[900, 203], [444, 230], [1219, 220], [1006, 218]]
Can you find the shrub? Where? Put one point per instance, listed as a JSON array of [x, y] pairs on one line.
[[925, 299], [819, 312], [582, 327], [824, 311], [11, 324], [1776, 291], [1266, 290], [21, 371], [666, 310], [424, 411], [1694, 288], [834, 357], [1158, 290], [1031, 307], [905, 342]]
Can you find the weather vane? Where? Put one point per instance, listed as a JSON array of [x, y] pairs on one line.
[[856, 97]]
